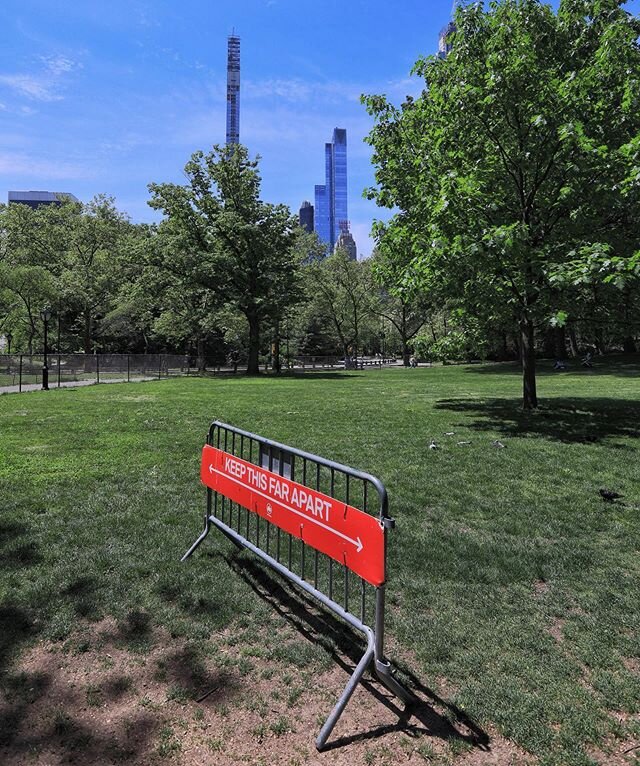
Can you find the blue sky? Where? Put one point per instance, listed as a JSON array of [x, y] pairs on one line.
[[100, 97]]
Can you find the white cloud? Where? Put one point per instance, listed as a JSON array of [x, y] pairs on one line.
[[44, 85], [25, 165], [333, 91], [34, 87], [58, 65]]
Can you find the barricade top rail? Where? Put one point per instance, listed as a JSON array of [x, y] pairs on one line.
[[331, 464]]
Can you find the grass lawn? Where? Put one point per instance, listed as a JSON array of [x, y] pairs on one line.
[[513, 590]]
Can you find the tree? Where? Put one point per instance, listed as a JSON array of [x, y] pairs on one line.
[[401, 300], [90, 272], [31, 251], [513, 161], [229, 241], [342, 291]]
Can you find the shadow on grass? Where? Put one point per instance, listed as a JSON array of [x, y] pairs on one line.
[[620, 366], [338, 639], [190, 679], [318, 373], [583, 420], [17, 623]]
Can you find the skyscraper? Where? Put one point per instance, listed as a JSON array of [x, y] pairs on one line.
[[331, 197], [445, 43], [347, 242], [233, 89], [36, 198], [305, 216]]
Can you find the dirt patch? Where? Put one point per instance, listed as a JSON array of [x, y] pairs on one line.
[[93, 701], [541, 587], [555, 630]]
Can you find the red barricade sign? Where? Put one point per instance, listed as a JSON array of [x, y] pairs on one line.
[[346, 534]]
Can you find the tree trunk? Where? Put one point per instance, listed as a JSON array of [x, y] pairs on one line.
[[253, 366], [573, 341], [629, 345], [527, 345], [276, 349], [560, 342], [86, 335], [406, 353], [201, 361], [601, 346]]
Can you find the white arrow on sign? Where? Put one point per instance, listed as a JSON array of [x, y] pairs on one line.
[[357, 542]]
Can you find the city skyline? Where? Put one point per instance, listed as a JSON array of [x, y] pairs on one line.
[[106, 99]]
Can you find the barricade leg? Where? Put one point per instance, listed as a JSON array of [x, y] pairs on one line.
[[196, 544], [382, 666], [205, 531], [346, 695], [383, 671]]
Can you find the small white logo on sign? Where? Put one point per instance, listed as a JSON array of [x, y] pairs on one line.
[[269, 509]]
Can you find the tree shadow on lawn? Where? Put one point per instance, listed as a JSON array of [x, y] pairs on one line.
[[623, 367], [568, 420], [17, 622], [322, 628], [38, 714]]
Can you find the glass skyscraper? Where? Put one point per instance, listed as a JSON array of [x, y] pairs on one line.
[[233, 90], [331, 197], [305, 216]]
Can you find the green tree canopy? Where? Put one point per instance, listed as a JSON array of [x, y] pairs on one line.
[[516, 159], [223, 238]]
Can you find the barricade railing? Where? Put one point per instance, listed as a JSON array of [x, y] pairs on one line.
[[320, 524]]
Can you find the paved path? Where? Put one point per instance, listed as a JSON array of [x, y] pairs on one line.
[[69, 384]]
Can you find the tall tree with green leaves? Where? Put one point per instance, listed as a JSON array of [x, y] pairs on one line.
[[342, 292], [401, 299], [97, 234], [227, 240], [513, 161]]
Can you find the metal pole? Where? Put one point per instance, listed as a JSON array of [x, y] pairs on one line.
[[20, 375], [128, 368], [97, 368], [45, 368], [58, 367]]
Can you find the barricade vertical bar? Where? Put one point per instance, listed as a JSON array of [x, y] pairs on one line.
[[281, 464], [20, 375], [97, 356], [223, 498], [315, 556], [346, 570], [58, 370], [331, 560], [233, 452]]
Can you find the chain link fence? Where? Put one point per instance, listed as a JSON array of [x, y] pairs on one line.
[[22, 370]]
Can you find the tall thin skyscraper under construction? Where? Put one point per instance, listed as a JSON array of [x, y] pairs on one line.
[[233, 89]]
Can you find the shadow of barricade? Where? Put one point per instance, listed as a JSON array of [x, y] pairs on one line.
[[430, 715]]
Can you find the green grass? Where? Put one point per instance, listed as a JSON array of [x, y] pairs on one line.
[[510, 578]]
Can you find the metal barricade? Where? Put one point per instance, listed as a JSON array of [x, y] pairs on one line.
[[311, 520]]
